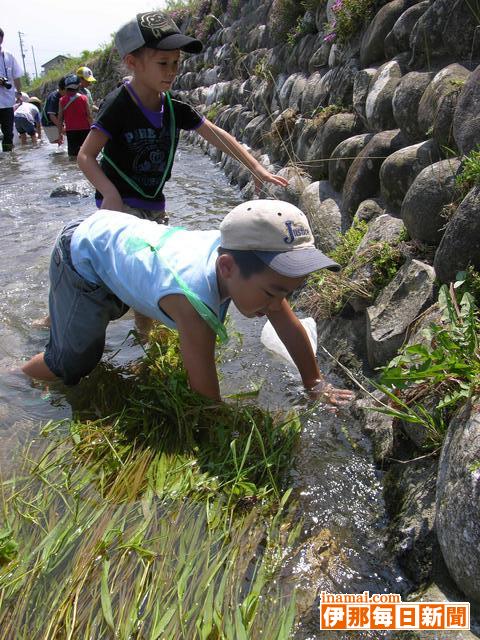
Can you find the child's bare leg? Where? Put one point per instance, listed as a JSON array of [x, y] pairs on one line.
[[23, 138], [36, 368], [143, 324]]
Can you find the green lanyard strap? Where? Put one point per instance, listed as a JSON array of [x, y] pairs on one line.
[[137, 244], [168, 166]]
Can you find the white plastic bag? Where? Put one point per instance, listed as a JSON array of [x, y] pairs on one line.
[[269, 338]]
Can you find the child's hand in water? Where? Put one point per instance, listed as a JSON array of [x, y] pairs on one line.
[[327, 393]]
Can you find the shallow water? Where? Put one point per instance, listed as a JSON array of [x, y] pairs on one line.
[[337, 486]]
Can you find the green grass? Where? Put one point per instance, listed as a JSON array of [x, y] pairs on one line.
[[327, 292], [469, 176], [350, 17], [167, 519]]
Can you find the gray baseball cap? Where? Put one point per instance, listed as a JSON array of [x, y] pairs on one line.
[[279, 235], [155, 30]]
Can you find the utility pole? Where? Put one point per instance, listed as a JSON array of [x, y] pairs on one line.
[[34, 62], [20, 34]]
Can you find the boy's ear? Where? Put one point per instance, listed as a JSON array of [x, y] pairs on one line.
[[130, 61], [226, 265]]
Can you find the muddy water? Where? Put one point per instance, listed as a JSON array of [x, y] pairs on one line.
[[339, 493]]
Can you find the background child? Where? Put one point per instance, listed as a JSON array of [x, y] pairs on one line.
[[50, 113], [261, 254], [138, 124], [75, 112], [86, 78], [27, 120]]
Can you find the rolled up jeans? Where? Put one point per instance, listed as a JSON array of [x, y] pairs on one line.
[[79, 314]]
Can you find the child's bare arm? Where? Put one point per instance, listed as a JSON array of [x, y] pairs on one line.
[[293, 335], [197, 345], [87, 161], [227, 143]]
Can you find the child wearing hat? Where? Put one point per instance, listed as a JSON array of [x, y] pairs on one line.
[[186, 279], [50, 113], [139, 123], [27, 119], [75, 112], [86, 78]]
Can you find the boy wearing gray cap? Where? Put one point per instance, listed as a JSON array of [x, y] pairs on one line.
[[138, 125], [186, 279]]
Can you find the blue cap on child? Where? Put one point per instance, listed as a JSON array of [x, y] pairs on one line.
[[72, 81]]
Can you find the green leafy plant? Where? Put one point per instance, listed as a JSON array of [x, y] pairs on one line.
[[302, 27], [447, 372], [386, 261], [283, 18], [472, 283], [213, 111], [8, 546], [470, 174], [350, 17], [349, 242], [263, 69], [320, 115]]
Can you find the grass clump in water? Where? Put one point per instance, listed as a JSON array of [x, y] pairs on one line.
[[167, 519]]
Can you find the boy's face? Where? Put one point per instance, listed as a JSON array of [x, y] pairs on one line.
[[154, 68], [257, 295]]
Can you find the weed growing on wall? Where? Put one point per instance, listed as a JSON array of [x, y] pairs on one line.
[[470, 172], [327, 292], [350, 18], [290, 20], [445, 372]]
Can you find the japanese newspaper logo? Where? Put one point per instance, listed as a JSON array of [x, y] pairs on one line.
[[386, 611]]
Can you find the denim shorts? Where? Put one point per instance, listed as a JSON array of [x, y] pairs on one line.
[[79, 314], [23, 125]]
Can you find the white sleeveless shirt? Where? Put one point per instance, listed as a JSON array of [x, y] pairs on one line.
[[101, 252]]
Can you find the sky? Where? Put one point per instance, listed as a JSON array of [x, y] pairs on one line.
[[64, 27]]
